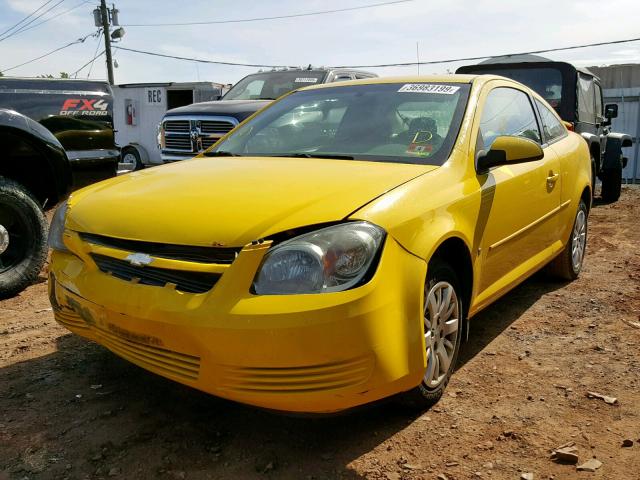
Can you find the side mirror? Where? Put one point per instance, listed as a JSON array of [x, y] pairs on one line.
[[508, 149], [611, 110]]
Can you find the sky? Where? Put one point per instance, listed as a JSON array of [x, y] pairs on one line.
[[384, 34]]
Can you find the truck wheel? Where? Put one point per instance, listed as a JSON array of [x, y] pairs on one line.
[[611, 184], [131, 159], [23, 238]]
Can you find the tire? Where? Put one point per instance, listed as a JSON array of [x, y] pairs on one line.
[[131, 156], [23, 238], [565, 266], [611, 184], [440, 278], [594, 178]]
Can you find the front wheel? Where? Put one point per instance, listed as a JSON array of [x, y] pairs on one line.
[[23, 238], [442, 324], [568, 264]]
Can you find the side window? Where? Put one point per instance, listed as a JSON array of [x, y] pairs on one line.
[[599, 112], [507, 111], [551, 126], [586, 100]]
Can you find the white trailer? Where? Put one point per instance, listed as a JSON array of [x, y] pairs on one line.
[[139, 108]]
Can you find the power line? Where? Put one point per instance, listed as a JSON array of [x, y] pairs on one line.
[[23, 27], [405, 64], [95, 55], [75, 74], [79, 40], [200, 60], [260, 19], [27, 17], [573, 47], [60, 14]]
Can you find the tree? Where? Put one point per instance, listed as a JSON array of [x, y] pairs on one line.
[[62, 75], [1, 74]]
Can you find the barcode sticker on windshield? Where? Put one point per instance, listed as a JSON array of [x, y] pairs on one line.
[[306, 80], [428, 88]]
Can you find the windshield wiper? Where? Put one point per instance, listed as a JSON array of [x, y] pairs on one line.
[[335, 156], [218, 153], [266, 98]]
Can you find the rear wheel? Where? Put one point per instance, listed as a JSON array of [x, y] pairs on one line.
[[442, 324], [611, 184], [23, 238], [568, 264]]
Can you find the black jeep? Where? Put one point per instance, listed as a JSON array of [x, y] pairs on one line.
[[576, 94]]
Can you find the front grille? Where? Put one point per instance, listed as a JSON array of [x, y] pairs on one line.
[[185, 281], [157, 359], [181, 142], [69, 318], [311, 378], [218, 255], [209, 127], [177, 126], [207, 142]]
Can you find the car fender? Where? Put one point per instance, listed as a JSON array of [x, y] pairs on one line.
[[613, 153], [60, 181]]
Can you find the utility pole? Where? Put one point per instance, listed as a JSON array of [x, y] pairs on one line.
[[104, 14]]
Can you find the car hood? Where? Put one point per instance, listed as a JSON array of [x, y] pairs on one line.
[[231, 201], [220, 107]]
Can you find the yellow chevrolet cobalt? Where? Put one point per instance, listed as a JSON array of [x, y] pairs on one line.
[[329, 251]]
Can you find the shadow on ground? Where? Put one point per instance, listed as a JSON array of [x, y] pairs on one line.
[[82, 412]]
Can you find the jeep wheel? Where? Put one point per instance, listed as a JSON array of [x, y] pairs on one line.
[[23, 238], [611, 184]]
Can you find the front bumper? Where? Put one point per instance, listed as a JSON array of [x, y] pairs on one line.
[[301, 353]]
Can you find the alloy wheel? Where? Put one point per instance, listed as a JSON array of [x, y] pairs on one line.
[[441, 324], [578, 240]]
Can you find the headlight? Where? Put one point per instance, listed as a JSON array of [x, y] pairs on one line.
[[328, 260], [57, 229], [160, 136]]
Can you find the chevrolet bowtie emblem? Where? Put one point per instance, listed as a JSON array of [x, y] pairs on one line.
[[139, 259]]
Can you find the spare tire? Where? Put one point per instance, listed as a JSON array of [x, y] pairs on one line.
[[23, 238]]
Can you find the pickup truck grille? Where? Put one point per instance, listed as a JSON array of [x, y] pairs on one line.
[[193, 135], [177, 125]]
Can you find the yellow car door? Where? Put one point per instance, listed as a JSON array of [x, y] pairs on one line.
[[518, 224]]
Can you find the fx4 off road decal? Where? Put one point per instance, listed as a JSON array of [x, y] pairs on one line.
[[91, 107]]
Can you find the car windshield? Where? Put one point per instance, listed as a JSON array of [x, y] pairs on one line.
[[393, 122], [271, 85], [547, 82]]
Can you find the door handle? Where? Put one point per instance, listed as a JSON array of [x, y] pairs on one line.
[[552, 178]]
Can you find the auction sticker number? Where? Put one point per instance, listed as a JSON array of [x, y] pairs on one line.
[[428, 88]]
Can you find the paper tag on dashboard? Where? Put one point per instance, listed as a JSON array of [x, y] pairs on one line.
[[428, 88], [306, 80]]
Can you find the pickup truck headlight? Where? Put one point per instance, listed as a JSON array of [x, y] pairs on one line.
[[57, 229], [332, 259]]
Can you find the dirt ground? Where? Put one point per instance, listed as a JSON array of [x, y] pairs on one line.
[[71, 409]]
